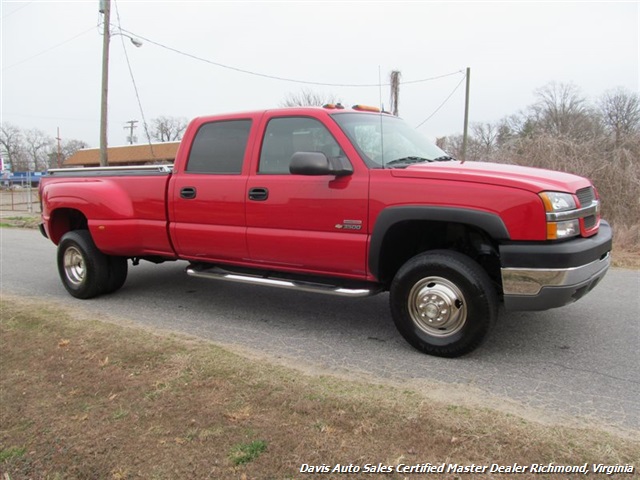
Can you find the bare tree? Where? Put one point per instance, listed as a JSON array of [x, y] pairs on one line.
[[486, 136], [307, 98], [481, 144], [33, 149], [38, 146], [67, 148], [514, 126], [168, 129], [452, 144], [562, 111], [620, 110], [12, 143]]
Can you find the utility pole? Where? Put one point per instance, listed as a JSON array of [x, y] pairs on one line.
[[466, 117], [132, 125], [105, 9]]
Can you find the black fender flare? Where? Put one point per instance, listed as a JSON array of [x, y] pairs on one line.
[[489, 222]]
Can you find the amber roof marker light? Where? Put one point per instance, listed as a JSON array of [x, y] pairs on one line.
[[333, 106], [366, 108]]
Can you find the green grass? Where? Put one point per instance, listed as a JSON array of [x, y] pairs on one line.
[[247, 452], [12, 452]]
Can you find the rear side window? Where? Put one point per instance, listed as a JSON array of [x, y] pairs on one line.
[[219, 147]]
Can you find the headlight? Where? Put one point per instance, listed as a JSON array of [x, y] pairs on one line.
[[557, 201], [558, 225]]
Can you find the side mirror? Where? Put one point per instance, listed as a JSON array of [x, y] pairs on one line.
[[317, 163]]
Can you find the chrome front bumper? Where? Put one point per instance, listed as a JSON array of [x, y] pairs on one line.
[[542, 289], [542, 275]]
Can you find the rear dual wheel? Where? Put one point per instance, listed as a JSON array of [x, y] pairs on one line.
[[85, 271], [443, 303]]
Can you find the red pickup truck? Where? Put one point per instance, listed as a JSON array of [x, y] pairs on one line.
[[340, 201]]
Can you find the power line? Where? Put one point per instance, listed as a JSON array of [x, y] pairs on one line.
[[276, 77], [16, 10], [442, 104], [48, 49], [431, 78], [13, 114], [135, 87], [306, 82]]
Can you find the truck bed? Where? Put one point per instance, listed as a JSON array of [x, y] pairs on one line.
[[133, 219]]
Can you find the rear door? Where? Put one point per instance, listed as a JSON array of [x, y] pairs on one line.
[[313, 224], [207, 193]]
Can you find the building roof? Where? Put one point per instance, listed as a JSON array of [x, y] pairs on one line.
[[126, 155]]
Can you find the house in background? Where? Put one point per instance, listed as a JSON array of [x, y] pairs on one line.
[[128, 155]]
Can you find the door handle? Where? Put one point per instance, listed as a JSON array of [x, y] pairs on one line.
[[258, 194], [188, 193]]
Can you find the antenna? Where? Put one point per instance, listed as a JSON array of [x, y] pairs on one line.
[[381, 125], [380, 87], [466, 116]]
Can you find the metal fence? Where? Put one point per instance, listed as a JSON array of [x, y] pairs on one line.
[[19, 199]]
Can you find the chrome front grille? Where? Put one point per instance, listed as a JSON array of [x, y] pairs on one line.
[[586, 196], [590, 221]]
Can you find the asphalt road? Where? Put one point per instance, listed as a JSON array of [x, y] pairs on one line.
[[580, 361]]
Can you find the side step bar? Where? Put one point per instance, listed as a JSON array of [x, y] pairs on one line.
[[218, 273]]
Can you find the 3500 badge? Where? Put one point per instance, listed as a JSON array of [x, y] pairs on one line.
[[349, 225]]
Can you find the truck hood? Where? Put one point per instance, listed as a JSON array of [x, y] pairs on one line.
[[527, 178]]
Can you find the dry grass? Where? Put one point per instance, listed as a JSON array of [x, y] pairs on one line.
[[626, 246], [83, 399]]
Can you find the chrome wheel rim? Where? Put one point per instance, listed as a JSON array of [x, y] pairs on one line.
[[74, 268], [437, 307]]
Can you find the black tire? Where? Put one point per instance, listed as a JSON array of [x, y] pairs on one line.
[[118, 269], [443, 303], [83, 269]]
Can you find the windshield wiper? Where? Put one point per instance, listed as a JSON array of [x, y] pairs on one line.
[[443, 158], [407, 161]]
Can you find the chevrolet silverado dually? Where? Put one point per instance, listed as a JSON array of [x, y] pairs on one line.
[[341, 201]]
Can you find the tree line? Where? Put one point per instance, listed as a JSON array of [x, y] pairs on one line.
[[560, 112], [34, 150]]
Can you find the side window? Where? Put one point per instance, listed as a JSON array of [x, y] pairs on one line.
[[219, 147], [286, 136]]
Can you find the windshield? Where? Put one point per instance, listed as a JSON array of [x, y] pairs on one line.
[[387, 142]]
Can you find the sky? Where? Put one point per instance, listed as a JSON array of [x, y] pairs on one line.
[[196, 54]]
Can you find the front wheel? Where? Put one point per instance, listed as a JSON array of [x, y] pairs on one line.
[[83, 269], [443, 303]]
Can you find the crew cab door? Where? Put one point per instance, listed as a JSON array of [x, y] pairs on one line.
[[207, 193], [308, 223]]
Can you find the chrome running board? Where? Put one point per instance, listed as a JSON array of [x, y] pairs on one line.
[[218, 273]]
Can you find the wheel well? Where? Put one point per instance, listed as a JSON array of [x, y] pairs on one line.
[[64, 220], [406, 239]]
